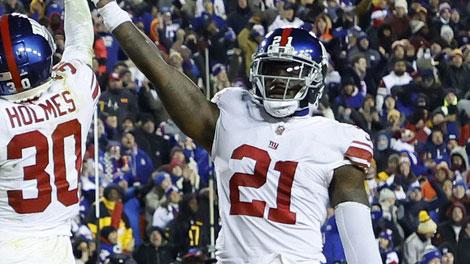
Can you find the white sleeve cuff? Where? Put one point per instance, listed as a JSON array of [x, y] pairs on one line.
[[113, 16]]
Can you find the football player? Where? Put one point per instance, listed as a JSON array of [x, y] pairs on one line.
[[46, 113], [278, 168]]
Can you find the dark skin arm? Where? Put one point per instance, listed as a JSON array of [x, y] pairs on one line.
[[348, 186], [183, 100]]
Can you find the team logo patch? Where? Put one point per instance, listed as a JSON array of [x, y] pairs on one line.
[[273, 145], [280, 130]]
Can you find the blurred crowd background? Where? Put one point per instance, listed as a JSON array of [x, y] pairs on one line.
[[399, 69]]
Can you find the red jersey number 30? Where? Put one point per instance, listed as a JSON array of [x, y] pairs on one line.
[[38, 172]]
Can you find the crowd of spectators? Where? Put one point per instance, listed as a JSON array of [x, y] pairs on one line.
[[399, 69]]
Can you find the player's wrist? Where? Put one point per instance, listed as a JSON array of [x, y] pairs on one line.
[[112, 14]]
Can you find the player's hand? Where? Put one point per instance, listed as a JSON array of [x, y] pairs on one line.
[[101, 3]]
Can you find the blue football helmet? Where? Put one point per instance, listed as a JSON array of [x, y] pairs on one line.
[[288, 71], [25, 57]]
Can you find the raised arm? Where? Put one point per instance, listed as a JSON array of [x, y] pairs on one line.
[[79, 34], [349, 198], [184, 101]]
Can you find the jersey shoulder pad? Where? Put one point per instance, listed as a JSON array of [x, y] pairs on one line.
[[229, 96]]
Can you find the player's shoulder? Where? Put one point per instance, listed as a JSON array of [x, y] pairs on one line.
[[230, 95], [74, 67], [343, 130], [78, 76], [355, 144]]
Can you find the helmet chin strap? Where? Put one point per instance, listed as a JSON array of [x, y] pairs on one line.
[[280, 108]]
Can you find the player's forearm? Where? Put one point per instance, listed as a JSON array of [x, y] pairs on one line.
[[188, 107], [78, 31]]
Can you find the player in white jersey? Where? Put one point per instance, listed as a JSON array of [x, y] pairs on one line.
[[277, 167], [46, 113]]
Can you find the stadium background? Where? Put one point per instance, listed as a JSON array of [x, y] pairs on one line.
[[398, 69]]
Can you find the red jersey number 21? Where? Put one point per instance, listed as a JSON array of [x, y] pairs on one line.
[[255, 208], [37, 171]]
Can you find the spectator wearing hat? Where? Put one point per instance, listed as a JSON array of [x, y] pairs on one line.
[[443, 19], [156, 146], [387, 201], [456, 74], [398, 19], [136, 162], [287, 17], [155, 249], [118, 100], [397, 77], [362, 48], [369, 119], [415, 244], [249, 38], [452, 143], [219, 79], [425, 87], [351, 96], [387, 250], [156, 196], [108, 245], [111, 162], [459, 189], [217, 7], [459, 163], [447, 38], [387, 176], [415, 203], [112, 214], [382, 149], [188, 229], [436, 146], [168, 210], [451, 230], [393, 121], [308, 10], [419, 33], [405, 176], [381, 224], [238, 18], [208, 14], [361, 73], [431, 255], [443, 173], [448, 254], [381, 38], [457, 26]]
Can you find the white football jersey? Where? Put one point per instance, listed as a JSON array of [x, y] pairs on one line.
[[41, 151], [273, 178]]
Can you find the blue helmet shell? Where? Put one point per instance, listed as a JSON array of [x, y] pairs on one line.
[[26, 54]]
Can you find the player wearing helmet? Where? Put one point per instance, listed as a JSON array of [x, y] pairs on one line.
[[278, 168], [46, 114]]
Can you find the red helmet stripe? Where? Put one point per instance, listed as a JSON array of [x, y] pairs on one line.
[[285, 36], [8, 49]]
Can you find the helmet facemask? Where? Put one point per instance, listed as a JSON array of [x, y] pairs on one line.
[[281, 82]]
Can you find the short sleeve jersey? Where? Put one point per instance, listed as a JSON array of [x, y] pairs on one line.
[[41, 151], [273, 178]]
